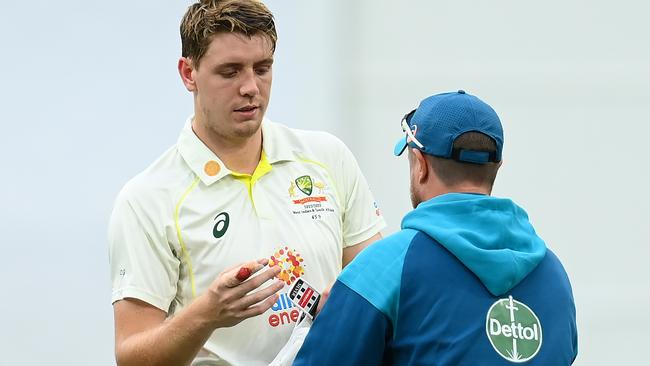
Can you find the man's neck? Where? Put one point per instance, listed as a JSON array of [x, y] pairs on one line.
[[241, 155], [459, 188], [470, 188]]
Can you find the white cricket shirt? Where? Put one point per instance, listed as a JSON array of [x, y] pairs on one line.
[[186, 218]]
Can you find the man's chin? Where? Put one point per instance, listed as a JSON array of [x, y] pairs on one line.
[[247, 128]]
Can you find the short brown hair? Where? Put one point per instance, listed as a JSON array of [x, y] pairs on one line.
[[206, 18], [452, 172]]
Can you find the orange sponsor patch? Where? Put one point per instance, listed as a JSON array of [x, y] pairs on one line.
[[212, 168]]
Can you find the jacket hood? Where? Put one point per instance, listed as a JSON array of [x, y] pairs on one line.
[[491, 236]]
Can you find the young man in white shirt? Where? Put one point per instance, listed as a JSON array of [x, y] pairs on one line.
[[237, 190]]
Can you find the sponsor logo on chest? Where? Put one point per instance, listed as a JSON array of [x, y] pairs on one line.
[[284, 312], [308, 197], [292, 268]]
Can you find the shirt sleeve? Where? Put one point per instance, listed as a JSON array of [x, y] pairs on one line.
[[348, 331], [143, 265], [356, 325], [361, 215]]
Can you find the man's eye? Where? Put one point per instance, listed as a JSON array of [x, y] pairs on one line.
[[228, 74], [262, 70]]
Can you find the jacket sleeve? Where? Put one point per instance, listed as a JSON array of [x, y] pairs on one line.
[[348, 331]]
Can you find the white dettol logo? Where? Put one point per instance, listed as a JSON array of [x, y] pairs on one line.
[[514, 330]]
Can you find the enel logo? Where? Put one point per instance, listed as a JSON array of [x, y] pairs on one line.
[[286, 314]]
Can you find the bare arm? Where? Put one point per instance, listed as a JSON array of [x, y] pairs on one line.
[[350, 252], [144, 337]]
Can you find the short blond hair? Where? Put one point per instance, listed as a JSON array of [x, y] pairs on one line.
[[206, 18]]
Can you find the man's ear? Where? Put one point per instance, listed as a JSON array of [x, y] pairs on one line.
[[421, 166], [186, 71]]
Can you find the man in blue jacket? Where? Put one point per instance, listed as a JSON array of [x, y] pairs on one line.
[[467, 281]]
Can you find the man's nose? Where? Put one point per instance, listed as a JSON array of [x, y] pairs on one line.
[[249, 86]]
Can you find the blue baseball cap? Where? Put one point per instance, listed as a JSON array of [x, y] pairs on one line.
[[440, 119]]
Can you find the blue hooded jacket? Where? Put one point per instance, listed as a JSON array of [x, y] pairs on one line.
[[431, 294], [490, 236]]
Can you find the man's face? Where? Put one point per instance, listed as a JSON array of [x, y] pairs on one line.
[[233, 85]]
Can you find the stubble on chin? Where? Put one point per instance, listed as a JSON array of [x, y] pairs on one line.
[[233, 130], [246, 129]]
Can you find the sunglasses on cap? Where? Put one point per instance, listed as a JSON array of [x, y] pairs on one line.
[[407, 129]]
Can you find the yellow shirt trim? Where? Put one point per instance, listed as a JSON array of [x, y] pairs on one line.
[[249, 180], [186, 254]]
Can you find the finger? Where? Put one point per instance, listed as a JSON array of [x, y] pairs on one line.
[[241, 272], [257, 281], [253, 265], [323, 298], [258, 265], [259, 308], [258, 296]]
